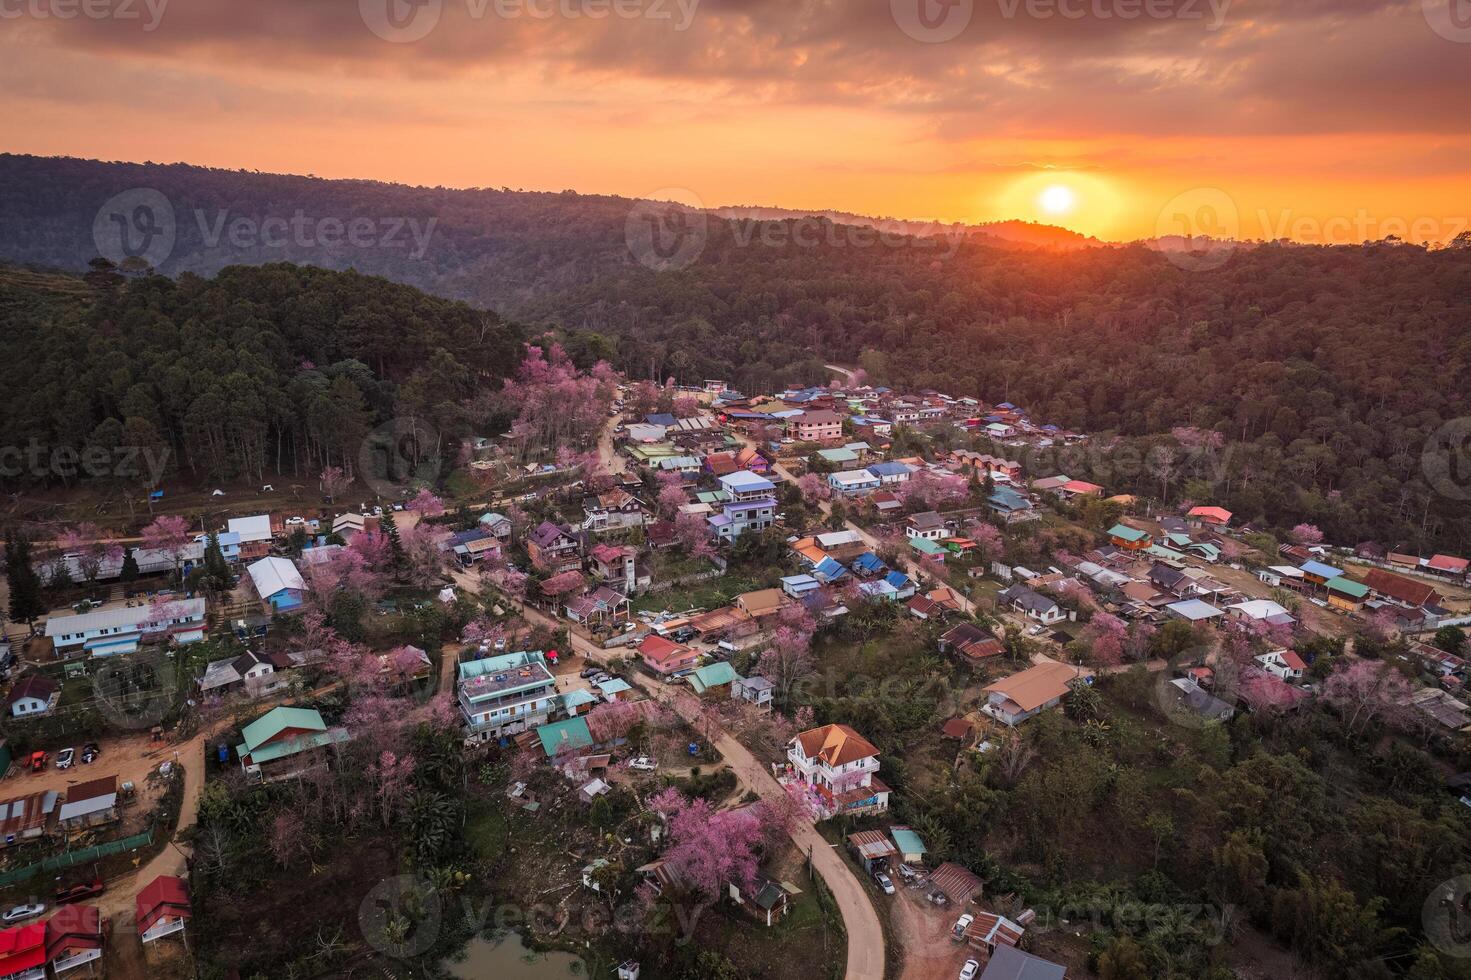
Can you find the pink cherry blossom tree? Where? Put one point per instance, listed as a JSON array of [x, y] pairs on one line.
[[334, 481], [1306, 534], [1367, 691], [1105, 636], [814, 489], [426, 504], [169, 535]]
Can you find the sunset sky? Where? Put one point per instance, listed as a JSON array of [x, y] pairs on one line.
[[1311, 119]]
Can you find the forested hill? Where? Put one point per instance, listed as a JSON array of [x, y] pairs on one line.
[[1323, 370], [261, 371]]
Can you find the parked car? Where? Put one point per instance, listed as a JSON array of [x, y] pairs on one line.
[[643, 764], [601, 677], [961, 924], [38, 761], [590, 672], [20, 913], [90, 752], [937, 897], [295, 521], [969, 971], [885, 882], [64, 758], [75, 893]]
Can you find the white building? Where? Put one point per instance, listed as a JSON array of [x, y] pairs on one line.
[[119, 629], [841, 767]]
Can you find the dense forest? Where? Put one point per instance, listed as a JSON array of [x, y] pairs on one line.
[[273, 370], [1302, 383]]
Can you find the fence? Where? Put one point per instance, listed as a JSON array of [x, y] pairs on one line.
[[67, 859]]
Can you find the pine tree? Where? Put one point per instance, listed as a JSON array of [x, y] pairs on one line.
[[129, 571], [389, 527], [25, 585], [217, 570]]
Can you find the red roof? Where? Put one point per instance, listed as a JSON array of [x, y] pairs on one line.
[[658, 650], [1406, 590], [22, 948], [1292, 660], [1448, 563], [1212, 515], [164, 895], [73, 927]]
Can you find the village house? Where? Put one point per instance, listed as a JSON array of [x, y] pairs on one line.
[[892, 472], [286, 742], [1129, 538], [738, 517], [616, 566], [162, 908], [121, 628], [250, 672], [349, 526], [25, 818], [74, 937], [255, 535], [23, 952], [1191, 696], [497, 525], [927, 526], [1403, 591], [841, 766], [1032, 604], [715, 681], [753, 690], [89, 804], [506, 694], [1011, 506], [667, 658], [278, 583], [816, 426], [971, 642], [553, 548], [853, 483], [602, 605], [615, 510], [1012, 700], [1285, 664], [32, 695]]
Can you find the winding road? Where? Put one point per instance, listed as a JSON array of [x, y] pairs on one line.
[[860, 920]]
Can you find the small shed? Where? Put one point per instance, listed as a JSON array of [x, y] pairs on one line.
[[872, 849], [910, 847]]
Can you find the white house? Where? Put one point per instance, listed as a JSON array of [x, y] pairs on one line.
[[928, 526], [1032, 604], [120, 628], [1285, 664], [853, 482], [33, 694], [840, 766]]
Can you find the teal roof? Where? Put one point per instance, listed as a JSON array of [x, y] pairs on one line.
[[616, 686], [277, 720], [1348, 587], [1127, 533], [577, 698], [570, 734], [906, 840], [713, 675], [291, 746], [838, 455], [927, 546], [500, 662]]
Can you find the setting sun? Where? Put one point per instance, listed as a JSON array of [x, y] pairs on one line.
[[1058, 199]]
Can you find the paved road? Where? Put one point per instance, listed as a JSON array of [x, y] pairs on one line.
[[860, 921]]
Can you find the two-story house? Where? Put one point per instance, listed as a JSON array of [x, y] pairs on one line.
[[816, 426], [840, 766], [927, 526], [553, 548], [506, 694], [613, 511], [739, 516], [1285, 664]]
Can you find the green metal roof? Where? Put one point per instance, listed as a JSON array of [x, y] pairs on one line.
[[577, 698], [906, 840], [569, 734], [1348, 587], [713, 675], [277, 720], [1127, 533], [291, 746], [926, 546]]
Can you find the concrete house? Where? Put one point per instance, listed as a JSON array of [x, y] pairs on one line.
[[506, 694], [1012, 700], [841, 766]]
